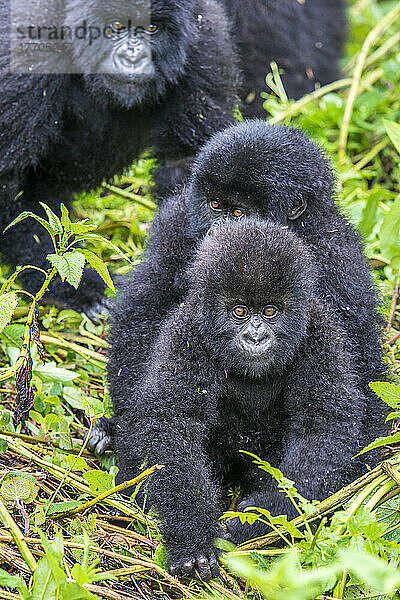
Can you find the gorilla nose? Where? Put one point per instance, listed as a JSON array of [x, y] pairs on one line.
[[256, 334]]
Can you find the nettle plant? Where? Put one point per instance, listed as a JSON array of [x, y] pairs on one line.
[[68, 261]]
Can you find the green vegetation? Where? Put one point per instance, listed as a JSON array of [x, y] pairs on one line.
[[59, 536]]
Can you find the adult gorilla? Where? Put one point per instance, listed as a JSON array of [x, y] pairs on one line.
[[305, 39], [85, 88]]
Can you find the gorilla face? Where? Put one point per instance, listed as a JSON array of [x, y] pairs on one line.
[[132, 51], [252, 169], [254, 280]]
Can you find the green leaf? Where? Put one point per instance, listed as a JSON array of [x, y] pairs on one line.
[[50, 372], [8, 303], [393, 131], [96, 263], [60, 507], [82, 227], [74, 397], [65, 220], [15, 489], [29, 214], [70, 266], [381, 441], [98, 481], [54, 221], [3, 446], [76, 463], [94, 408], [388, 392], [11, 581], [96, 237]]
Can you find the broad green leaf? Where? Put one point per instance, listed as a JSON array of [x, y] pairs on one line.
[[94, 408], [74, 397], [372, 570], [98, 481], [96, 263], [54, 221], [15, 489], [28, 214], [388, 392], [3, 446], [76, 463], [44, 585], [381, 441], [70, 266], [393, 131], [50, 372], [8, 303], [63, 433]]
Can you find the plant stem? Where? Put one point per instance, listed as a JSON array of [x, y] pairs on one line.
[[118, 488], [18, 538], [371, 38]]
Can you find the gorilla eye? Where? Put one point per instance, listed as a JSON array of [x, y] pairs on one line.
[[238, 213], [151, 28], [214, 205], [240, 311], [270, 311]]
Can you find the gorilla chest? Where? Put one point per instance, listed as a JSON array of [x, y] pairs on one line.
[[117, 136], [250, 416]]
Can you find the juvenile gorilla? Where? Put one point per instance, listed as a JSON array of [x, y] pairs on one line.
[[79, 114], [305, 39], [252, 169], [252, 360]]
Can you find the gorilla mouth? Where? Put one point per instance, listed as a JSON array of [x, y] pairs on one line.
[[256, 350]]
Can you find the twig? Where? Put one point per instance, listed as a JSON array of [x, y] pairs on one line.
[[118, 488], [393, 307], [130, 196], [371, 38], [18, 538], [36, 441], [393, 339]]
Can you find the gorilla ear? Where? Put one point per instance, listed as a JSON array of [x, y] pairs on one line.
[[296, 212]]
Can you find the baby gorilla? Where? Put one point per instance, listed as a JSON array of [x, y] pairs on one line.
[[250, 169], [251, 360]]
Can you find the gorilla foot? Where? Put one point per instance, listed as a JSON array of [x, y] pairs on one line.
[[99, 439], [203, 563]]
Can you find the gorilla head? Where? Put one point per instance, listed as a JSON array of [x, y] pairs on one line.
[[254, 169], [253, 281], [135, 49]]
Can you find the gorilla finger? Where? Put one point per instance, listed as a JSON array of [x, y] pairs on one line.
[[187, 567], [214, 566], [103, 445], [174, 570], [203, 567]]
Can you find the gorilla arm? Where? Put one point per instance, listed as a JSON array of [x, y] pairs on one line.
[[168, 425], [154, 288]]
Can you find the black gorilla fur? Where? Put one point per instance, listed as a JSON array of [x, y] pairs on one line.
[[62, 134], [304, 38], [268, 172], [213, 387]]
